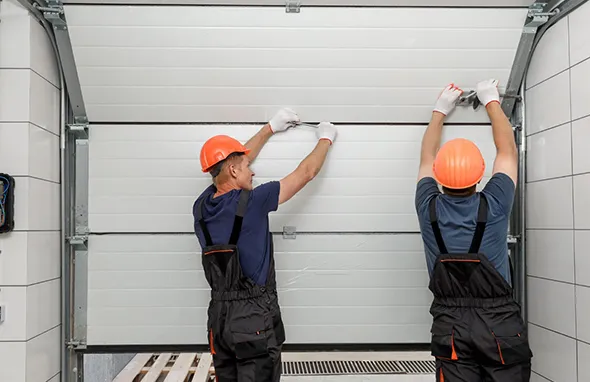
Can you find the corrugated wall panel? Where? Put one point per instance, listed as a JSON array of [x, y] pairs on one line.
[[150, 289], [239, 64], [146, 178]]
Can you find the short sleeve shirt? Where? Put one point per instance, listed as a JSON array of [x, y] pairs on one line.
[[457, 218], [255, 241]]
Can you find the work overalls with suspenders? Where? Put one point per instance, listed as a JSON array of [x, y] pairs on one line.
[[478, 334], [244, 323]]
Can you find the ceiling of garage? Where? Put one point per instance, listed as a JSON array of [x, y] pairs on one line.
[[382, 3]]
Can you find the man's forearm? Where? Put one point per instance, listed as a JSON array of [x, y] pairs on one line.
[[502, 129], [432, 137], [312, 164], [257, 142]]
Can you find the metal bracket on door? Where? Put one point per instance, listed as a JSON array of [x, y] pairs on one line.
[[293, 6], [538, 16], [289, 232], [470, 98]]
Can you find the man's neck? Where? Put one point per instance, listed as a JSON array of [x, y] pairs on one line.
[[224, 188]]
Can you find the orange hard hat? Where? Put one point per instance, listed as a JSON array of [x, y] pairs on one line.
[[218, 148], [458, 164]]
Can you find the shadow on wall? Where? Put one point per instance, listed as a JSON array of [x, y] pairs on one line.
[[104, 367]]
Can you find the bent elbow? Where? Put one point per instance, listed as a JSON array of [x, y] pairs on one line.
[[311, 173]]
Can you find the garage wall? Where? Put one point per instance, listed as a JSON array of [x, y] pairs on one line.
[[558, 189], [30, 342], [159, 81]]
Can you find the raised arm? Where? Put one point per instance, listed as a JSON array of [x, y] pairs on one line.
[[311, 165], [506, 152], [284, 119], [432, 136]]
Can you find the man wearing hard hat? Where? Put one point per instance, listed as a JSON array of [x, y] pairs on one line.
[[245, 329], [477, 333]]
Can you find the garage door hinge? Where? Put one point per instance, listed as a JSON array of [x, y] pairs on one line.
[[53, 13], [293, 6], [538, 17], [513, 239], [79, 130], [76, 345], [289, 232], [79, 242]]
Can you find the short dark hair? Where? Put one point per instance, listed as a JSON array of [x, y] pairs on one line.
[[460, 192], [216, 169]]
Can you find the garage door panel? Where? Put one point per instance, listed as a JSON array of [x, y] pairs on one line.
[[154, 286], [148, 316], [367, 59], [367, 315], [262, 96], [248, 40], [230, 114], [146, 178], [289, 298], [351, 297], [147, 335], [194, 334], [278, 77], [360, 334], [312, 205], [275, 169], [161, 16]]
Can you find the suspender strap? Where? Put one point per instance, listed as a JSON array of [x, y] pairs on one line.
[[482, 218], [242, 207], [206, 233], [435, 228]]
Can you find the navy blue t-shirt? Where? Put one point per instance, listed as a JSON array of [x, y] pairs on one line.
[[457, 218], [254, 244]]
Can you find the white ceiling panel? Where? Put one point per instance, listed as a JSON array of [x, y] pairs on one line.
[[240, 64]]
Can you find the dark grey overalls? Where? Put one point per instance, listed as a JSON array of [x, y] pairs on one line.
[[478, 334], [244, 323]]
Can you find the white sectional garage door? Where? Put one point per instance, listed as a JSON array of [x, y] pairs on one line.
[[158, 81]]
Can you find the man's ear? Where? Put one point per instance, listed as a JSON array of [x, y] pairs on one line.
[[233, 171]]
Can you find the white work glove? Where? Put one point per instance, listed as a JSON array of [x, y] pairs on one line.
[[487, 91], [283, 119], [326, 131], [448, 99]]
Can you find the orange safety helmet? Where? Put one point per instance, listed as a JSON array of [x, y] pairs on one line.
[[218, 148], [458, 164]]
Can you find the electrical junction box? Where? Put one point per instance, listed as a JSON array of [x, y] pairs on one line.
[[7, 185]]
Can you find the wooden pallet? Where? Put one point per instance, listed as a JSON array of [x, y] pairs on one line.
[[168, 367]]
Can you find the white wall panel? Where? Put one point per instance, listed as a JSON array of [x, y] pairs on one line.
[[551, 54], [150, 289], [554, 355], [14, 36], [352, 193], [43, 357], [552, 305], [37, 205], [238, 64], [547, 245], [27, 150], [579, 34], [29, 257]]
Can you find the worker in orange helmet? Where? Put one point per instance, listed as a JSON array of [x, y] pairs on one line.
[[478, 333], [245, 329]]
